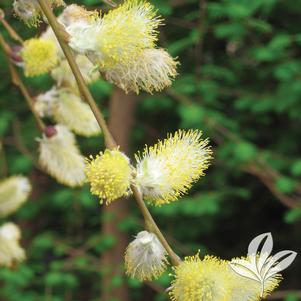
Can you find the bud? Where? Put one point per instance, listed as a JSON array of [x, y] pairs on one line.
[[145, 257], [14, 191], [15, 55], [10, 250], [60, 157]]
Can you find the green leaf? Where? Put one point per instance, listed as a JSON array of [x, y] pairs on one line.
[[292, 297], [180, 45], [21, 165], [286, 184], [232, 31], [191, 115], [292, 215], [5, 119], [296, 168], [245, 151]]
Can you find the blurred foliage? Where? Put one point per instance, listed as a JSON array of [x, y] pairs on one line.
[[240, 82]]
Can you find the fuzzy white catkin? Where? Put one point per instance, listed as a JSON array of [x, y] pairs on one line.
[[145, 257], [77, 115], [14, 191], [10, 250], [63, 75], [61, 157], [67, 108], [152, 70]]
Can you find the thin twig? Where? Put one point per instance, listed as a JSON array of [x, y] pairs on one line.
[[152, 226], [13, 34]]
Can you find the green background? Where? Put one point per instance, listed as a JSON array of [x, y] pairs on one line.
[[240, 83]]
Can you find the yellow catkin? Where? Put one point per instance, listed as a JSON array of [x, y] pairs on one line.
[[201, 280], [246, 289], [212, 279], [126, 31], [39, 56], [167, 170], [109, 175]]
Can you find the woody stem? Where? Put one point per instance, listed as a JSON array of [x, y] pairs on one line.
[[110, 143]]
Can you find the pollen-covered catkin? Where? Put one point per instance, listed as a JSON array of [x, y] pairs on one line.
[[212, 279], [119, 36], [126, 31], [247, 289], [109, 175], [39, 56], [167, 170], [198, 280]]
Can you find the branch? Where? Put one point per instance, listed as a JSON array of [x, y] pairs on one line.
[[13, 34], [62, 35], [110, 143]]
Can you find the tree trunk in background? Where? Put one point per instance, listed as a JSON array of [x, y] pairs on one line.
[[121, 117]]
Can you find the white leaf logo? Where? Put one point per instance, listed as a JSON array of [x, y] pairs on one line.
[[260, 265]]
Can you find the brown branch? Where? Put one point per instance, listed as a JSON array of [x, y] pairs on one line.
[[260, 168], [260, 173], [13, 34]]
